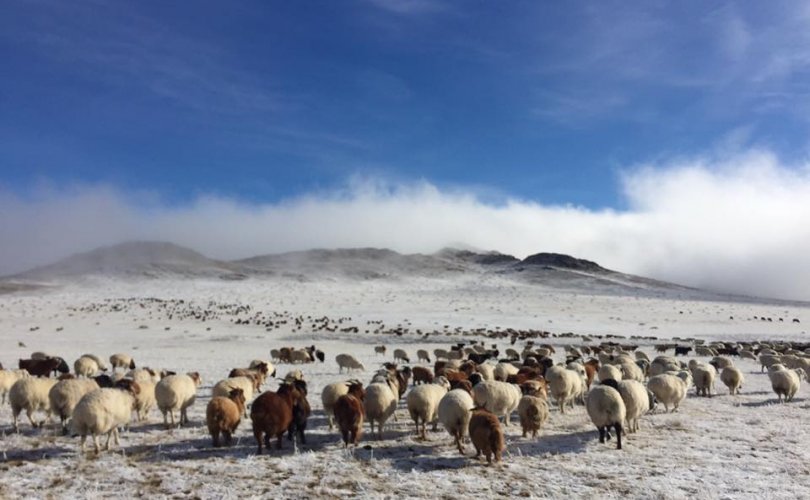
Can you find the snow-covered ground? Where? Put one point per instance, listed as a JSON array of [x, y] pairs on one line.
[[742, 446]]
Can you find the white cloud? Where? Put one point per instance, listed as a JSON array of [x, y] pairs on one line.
[[737, 223]]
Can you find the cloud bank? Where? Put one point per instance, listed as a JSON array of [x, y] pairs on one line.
[[739, 224]]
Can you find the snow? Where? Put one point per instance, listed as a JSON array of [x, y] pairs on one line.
[[722, 447]]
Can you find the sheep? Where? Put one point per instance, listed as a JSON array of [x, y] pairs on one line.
[[401, 356], [260, 370], [630, 370], [300, 356], [454, 414], [441, 354], [503, 370], [486, 370], [176, 393], [422, 355], [422, 375], [609, 372], [43, 367], [66, 394], [500, 398], [380, 349], [30, 394], [350, 413], [565, 385], [121, 360], [668, 389], [271, 415], [379, 404], [293, 375], [7, 379], [224, 387], [223, 414], [606, 409], [745, 354], [663, 364], [329, 397], [703, 376], [486, 435], [85, 367], [144, 374], [102, 411], [636, 402], [348, 362], [102, 366], [533, 413], [145, 399], [720, 362], [733, 378], [768, 360], [268, 368], [300, 409], [640, 355], [785, 382], [423, 404]]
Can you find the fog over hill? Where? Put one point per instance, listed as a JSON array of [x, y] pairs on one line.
[[161, 260]]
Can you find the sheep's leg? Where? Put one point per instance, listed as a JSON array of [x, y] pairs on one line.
[[109, 436], [345, 435], [115, 437], [15, 415], [228, 437], [371, 425], [257, 433], [618, 428], [82, 443], [96, 444], [278, 440], [215, 437], [601, 434]]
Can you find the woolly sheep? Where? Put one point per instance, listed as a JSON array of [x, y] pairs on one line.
[[85, 367], [486, 435], [703, 376], [663, 364], [256, 364], [423, 404], [745, 354], [565, 385], [768, 360], [503, 370], [422, 355], [348, 362], [454, 414], [30, 394], [66, 394], [224, 387], [640, 355], [121, 360], [176, 393], [630, 370], [533, 413], [102, 411], [721, 362], [145, 399], [401, 355], [300, 356], [441, 353], [668, 389], [609, 372], [486, 370], [606, 409], [380, 403], [500, 398], [329, 397], [141, 375], [733, 378], [223, 414], [636, 402], [7, 379], [785, 382]]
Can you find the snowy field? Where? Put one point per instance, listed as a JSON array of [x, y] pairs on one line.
[[746, 446]]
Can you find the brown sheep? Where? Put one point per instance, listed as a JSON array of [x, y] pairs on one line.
[[272, 414], [224, 414], [258, 372], [591, 369], [301, 409], [350, 413], [486, 434], [422, 375]]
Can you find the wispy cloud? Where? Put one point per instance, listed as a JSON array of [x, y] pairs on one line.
[[735, 222]]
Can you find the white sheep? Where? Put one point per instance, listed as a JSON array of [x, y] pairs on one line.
[[423, 404], [145, 399], [224, 387], [565, 385], [500, 398], [257, 363], [86, 367], [121, 360], [703, 376], [454, 414], [7, 379], [503, 370], [721, 362], [66, 394], [533, 413], [348, 362], [630, 370], [663, 364], [486, 370], [641, 355], [329, 396], [606, 409], [636, 402], [100, 362], [768, 360], [30, 394], [609, 372], [300, 356], [785, 382], [176, 393], [422, 355], [141, 375], [668, 389], [746, 354], [101, 412], [441, 354], [733, 378], [380, 403]]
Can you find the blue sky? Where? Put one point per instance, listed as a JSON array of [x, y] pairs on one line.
[[668, 139], [267, 100]]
